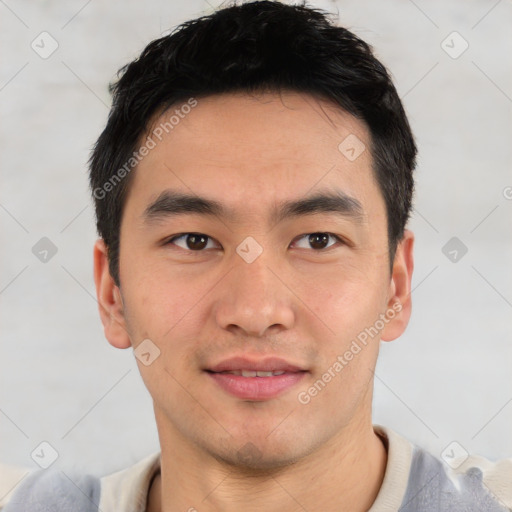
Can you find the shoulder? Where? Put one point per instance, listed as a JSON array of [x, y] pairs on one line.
[[476, 484], [49, 490], [128, 489], [469, 483], [10, 478], [61, 490]]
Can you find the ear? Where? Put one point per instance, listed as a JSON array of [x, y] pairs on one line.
[[399, 297], [110, 302]]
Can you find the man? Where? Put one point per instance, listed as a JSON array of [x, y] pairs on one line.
[[252, 189]]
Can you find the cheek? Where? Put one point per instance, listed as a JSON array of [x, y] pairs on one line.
[[347, 306], [334, 395], [157, 303], [170, 312], [345, 300], [348, 349]]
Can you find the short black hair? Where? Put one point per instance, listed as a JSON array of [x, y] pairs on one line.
[[261, 46]]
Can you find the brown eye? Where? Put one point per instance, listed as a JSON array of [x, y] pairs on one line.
[[196, 242], [190, 241], [318, 241]]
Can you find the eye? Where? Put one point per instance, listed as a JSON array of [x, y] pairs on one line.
[[320, 240], [191, 241], [196, 242]]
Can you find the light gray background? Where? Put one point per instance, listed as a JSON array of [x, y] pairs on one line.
[[448, 378]]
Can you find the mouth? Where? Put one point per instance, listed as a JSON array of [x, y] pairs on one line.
[[253, 373], [255, 380]]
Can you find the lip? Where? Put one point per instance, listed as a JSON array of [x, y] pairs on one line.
[[268, 364], [256, 388]]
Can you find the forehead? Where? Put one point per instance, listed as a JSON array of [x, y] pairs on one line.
[[278, 121], [247, 149]]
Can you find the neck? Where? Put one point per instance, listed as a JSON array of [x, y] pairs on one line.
[[345, 474]]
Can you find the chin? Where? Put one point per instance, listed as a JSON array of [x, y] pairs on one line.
[[259, 455], [250, 459]]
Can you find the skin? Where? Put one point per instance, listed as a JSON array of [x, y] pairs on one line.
[[294, 301]]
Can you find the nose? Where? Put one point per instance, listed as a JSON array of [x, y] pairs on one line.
[[254, 298]]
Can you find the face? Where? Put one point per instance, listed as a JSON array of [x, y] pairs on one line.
[[277, 258]]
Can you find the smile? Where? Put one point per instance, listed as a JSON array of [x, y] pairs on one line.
[[252, 373], [256, 385]]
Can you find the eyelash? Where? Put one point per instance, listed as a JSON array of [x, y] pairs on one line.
[[183, 235]]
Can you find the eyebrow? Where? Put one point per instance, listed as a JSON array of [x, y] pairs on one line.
[[172, 203]]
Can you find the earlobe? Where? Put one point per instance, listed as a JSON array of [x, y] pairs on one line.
[[110, 303], [399, 301]]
